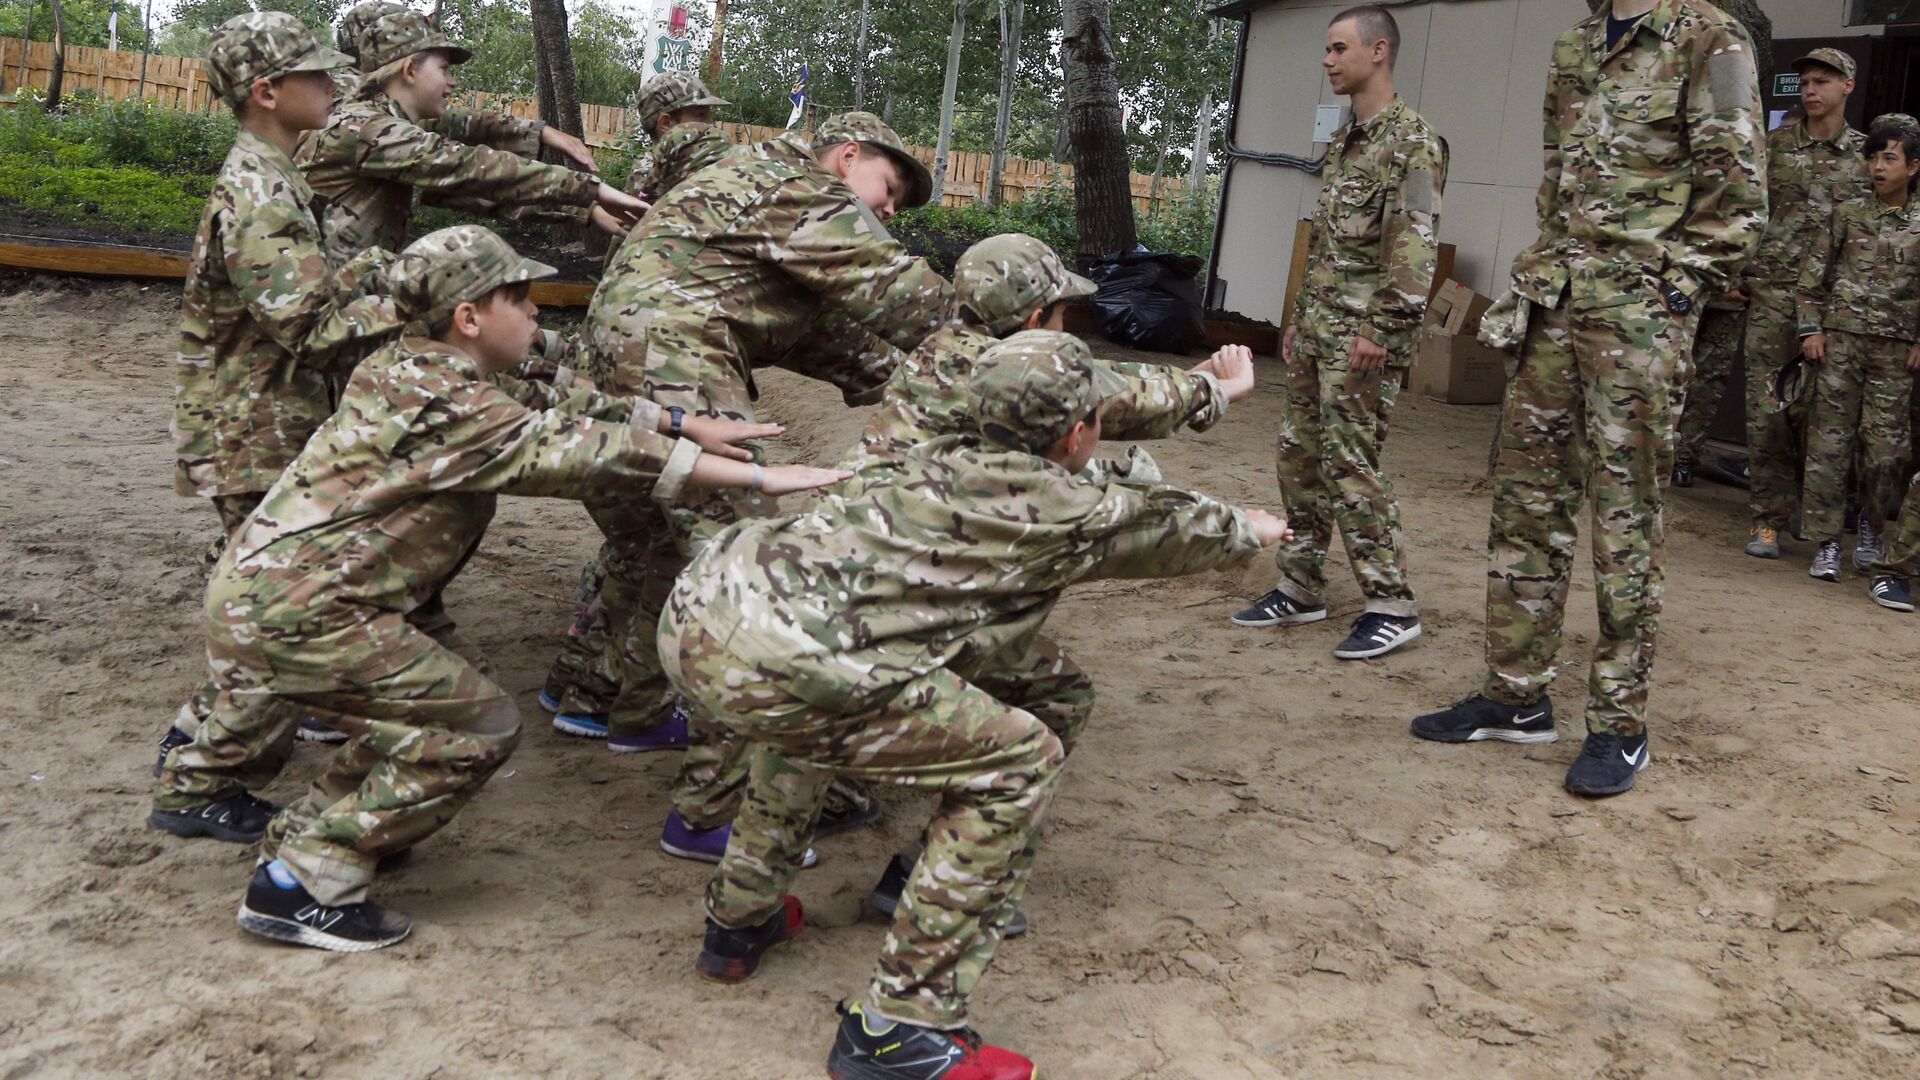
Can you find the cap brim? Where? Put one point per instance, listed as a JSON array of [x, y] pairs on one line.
[[913, 171], [529, 270], [1078, 287], [1107, 383], [710, 99], [321, 58], [1828, 64]]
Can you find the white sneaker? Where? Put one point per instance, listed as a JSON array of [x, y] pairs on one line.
[[1867, 549], [1826, 565]]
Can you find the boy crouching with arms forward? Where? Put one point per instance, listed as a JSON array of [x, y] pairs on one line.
[[308, 607], [844, 641]]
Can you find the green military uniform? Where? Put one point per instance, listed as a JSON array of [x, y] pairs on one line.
[[372, 157], [307, 609], [1653, 198], [1369, 274], [1806, 179], [726, 274], [1866, 265], [843, 641]]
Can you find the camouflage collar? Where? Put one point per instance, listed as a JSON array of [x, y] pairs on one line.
[[1849, 137], [1392, 113], [1660, 20], [271, 158], [422, 349], [1882, 208]]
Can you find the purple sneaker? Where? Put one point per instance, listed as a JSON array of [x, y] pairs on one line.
[[668, 734], [706, 845]]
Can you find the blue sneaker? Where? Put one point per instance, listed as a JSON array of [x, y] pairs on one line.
[[706, 845], [549, 702], [585, 725], [668, 734]]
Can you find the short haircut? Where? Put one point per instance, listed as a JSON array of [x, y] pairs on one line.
[[512, 292], [1374, 24]]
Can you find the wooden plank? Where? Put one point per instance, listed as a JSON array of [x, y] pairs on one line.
[[560, 294], [99, 260], [1297, 267]]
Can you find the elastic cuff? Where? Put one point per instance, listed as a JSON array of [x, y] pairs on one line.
[[673, 477], [1205, 418], [332, 874], [1296, 594]]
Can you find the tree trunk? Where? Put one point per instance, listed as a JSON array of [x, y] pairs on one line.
[[146, 47], [1159, 168], [1202, 143], [1103, 203], [860, 59], [553, 66], [948, 91], [714, 49], [59, 56], [1009, 69]]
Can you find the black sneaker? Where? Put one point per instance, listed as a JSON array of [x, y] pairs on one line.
[[885, 897], [848, 808], [1374, 634], [1607, 764], [1479, 717], [237, 819], [732, 956], [1278, 609], [294, 916], [870, 1048], [173, 739], [1683, 476], [1892, 593]]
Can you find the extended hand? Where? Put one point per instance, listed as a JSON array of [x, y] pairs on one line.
[[1913, 358], [609, 223], [568, 146], [622, 205], [787, 479], [1364, 355], [1270, 529], [1286, 343], [1233, 366], [716, 434]]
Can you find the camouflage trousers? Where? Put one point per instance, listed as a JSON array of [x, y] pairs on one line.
[[1902, 549], [1331, 435], [233, 511], [994, 767], [1861, 396], [576, 679], [425, 729], [1716, 349], [1774, 438], [1588, 412]]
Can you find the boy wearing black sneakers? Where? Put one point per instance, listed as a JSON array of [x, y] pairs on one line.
[[1890, 588]]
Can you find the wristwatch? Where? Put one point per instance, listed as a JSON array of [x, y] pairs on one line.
[[675, 417]]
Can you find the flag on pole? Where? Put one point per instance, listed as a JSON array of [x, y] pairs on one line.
[[799, 98]]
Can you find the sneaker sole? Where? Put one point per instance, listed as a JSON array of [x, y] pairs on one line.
[[1411, 633], [618, 747], [1297, 619], [807, 861], [722, 970], [1819, 576], [189, 828], [1893, 605], [1615, 789], [549, 702], [272, 926], [1763, 553], [1490, 735], [565, 725]]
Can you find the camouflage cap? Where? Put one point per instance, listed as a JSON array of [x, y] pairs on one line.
[[866, 128], [1029, 390], [1894, 119], [346, 36], [263, 45], [391, 39], [1832, 58], [672, 91], [444, 269], [1005, 278], [1787, 384]]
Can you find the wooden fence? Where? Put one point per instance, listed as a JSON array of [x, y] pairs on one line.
[[180, 83]]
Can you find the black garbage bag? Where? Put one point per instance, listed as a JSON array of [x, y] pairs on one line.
[[1150, 301]]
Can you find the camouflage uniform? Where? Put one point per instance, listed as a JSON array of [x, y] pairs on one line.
[[834, 644], [307, 610], [725, 274], [1806, 179], [502, 131], [1902, 549], [1867, 266], [1370, 271], [371, 157], [264, 316], [1653, 188], [1716, 350]]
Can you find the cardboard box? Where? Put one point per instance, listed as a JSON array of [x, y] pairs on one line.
[[1449, 363]]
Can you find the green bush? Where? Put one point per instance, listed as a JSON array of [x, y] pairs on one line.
[[127, 196], [941, 234]]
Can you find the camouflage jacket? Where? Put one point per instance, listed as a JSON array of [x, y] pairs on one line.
[[958, 562], [1866, 264], [384, 502], [1653, 161], [264, 318], [733, 268], [683, 151], [927, 397], [1374, 232], [370, 159], [1806, 179]]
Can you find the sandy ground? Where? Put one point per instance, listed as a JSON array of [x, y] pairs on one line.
[[1252, 869]]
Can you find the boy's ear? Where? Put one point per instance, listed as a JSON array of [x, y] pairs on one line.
[[466, 319], [261, 94]]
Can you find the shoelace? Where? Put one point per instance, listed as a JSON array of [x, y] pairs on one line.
[[969, 1040]]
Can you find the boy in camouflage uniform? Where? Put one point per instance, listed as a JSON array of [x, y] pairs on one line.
[[1654, 197], [265, 317], [1890, 587], [847, 640], [668, 101], [307, 609], [1369, 275], [1812, 167], [727, 273], [1862, 339], [375, 154]]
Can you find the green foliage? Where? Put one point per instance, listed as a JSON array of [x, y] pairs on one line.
[[130, 164], [1184, 226], [124, 196], [193, 20]]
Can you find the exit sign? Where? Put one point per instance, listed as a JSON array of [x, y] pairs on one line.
[[1787, 85]]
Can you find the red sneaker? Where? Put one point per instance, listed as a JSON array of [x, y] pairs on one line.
[[732, 956], [869, 1048]]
